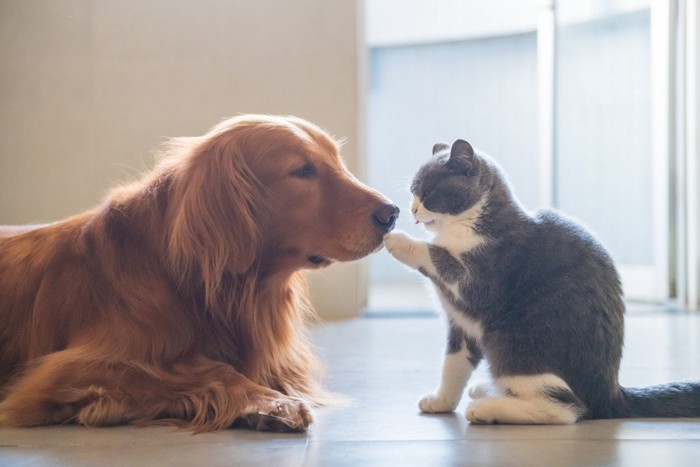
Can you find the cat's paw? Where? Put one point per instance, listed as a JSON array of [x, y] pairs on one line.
[[481, 390], [481, 412], [435, 403], [398, 244]]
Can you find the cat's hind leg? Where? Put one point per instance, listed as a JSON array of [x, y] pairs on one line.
[[535, 399]]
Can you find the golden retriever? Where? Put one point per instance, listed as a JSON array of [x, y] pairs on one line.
[[181, 298]]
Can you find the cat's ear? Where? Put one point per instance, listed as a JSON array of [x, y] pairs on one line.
[[462, 156], [440, 147]]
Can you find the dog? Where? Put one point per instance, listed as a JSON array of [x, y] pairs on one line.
[[181, 299]]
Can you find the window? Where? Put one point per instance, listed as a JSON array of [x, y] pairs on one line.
[[562, 94]]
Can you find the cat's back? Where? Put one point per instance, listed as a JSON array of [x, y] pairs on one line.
[[566, 238], [567, 251]]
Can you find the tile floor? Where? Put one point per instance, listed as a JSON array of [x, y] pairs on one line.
[[385, 365]]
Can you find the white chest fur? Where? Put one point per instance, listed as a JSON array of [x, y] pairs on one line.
[[457, 234]]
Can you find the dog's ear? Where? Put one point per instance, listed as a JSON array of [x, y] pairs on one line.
[[213, 226]]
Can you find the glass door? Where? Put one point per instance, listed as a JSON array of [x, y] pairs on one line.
[[571, 97], [439, 71], [610, 165]]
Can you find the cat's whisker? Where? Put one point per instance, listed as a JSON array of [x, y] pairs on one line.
[[401, 184]]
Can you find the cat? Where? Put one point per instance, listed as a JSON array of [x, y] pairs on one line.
[[535, 294]]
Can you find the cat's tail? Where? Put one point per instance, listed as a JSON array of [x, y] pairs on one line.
[[665, 400]]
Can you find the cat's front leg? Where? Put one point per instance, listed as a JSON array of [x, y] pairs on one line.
[[462, 356], [411, 252], [455, 373]]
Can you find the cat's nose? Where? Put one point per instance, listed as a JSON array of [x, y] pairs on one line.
[[385, 217]]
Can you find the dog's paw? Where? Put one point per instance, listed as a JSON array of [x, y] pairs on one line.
[[435, 403], [281, 415], [398, 244]]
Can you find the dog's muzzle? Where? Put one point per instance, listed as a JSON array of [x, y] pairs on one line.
[[385, 217]]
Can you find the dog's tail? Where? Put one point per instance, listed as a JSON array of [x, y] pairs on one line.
[[665, 400]]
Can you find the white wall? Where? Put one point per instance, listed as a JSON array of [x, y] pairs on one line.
[[88, 88]]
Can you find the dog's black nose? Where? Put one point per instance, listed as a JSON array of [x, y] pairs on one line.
[[385, 217]]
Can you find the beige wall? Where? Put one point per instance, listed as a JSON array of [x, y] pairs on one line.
[[88, 88]]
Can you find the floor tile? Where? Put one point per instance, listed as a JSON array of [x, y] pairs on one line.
[[384, 366]]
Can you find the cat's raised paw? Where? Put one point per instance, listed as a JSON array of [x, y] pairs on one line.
[[436, 404], [398, 243]]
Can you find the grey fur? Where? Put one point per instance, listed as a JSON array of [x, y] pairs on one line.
[[475, 353], [456, 340], [448, 267], [544, 290]]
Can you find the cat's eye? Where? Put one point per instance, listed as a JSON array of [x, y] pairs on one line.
[[305, 171], [424, 194]]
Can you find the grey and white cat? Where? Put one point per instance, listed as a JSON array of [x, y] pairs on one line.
[[533, 293]]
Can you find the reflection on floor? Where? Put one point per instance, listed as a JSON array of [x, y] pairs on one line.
[[385, 365]]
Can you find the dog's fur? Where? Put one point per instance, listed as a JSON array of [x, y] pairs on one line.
[[180, 299]]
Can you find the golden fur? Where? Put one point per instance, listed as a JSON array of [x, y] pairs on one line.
[[180, 299]]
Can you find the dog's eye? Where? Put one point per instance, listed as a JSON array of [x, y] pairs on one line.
[[305, 171]]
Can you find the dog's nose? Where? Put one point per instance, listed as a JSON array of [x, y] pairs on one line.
[[385, 217]]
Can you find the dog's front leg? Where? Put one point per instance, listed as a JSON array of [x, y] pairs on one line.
[[201, 394]]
